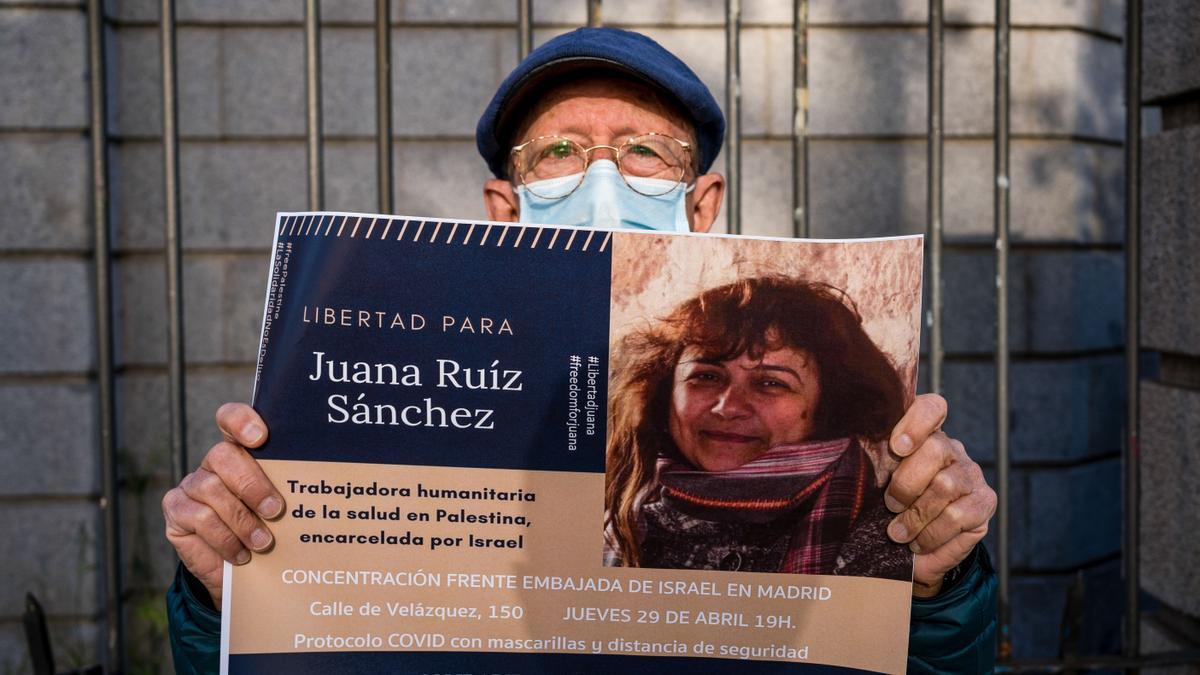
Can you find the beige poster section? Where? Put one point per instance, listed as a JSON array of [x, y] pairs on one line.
[[511, 563]]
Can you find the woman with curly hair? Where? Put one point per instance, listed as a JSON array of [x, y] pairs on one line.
[[739, 426]]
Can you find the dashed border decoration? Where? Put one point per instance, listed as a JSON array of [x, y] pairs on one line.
[[441, 232]]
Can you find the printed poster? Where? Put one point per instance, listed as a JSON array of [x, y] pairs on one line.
[[528, 449]]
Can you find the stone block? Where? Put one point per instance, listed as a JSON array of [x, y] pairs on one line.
[[76, 643], [143, 427], [350, 183], [136, 179], [50, 439], [1063, 191], [262, 82], [206, 391], [1170, 513], [1066, 82], [49, 303], [1155, 639], [1170, 241], [44, 78], [52, 552], [1038, 602], [222, 300], [1106, 16], [903, 11], [1074, 514], [439, 178], [1170, 49], [1060, 411], [1059, 301], [766, 191], [442, 79], [149, 559], [137, 79], [231, 191], [45, 187], [348, 82]]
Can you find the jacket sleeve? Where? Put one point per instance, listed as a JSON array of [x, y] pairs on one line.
[[195, 627], [955, 631]]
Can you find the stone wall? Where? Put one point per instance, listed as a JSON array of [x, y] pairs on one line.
[[1170, 324], [242, 158]]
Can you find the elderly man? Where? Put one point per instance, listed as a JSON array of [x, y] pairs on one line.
[[602, 127]]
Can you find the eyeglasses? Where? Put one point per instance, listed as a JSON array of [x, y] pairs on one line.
[[652, 155]]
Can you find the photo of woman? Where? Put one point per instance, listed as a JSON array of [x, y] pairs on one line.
[[739, 428]]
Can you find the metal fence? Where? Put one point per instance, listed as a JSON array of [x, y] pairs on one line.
[[1131, 658]]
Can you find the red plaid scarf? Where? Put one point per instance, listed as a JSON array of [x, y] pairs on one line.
[[819, 485]]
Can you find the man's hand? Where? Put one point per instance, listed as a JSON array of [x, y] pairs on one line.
[[217, 512], [941, 496]]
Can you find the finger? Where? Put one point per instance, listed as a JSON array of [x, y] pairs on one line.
[[930, 568], [915, 472], [922, 419], [946, 486], [189, 520], [242, 475], [207, 488], [966, 514], [203, 562], [241, 424]]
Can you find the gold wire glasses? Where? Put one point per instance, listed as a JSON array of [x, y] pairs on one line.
[[660, 157]]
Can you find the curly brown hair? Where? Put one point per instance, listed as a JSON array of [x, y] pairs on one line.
[[862, 395]]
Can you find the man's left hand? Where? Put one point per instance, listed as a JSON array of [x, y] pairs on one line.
[[944, 503]]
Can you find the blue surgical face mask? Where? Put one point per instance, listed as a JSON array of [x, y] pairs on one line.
[[604, 200]]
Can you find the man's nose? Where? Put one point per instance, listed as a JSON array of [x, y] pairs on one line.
[[732, 403]]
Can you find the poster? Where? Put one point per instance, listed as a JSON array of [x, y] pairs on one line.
[[527, 449]]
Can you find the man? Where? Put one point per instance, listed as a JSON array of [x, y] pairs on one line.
[[604, 127]]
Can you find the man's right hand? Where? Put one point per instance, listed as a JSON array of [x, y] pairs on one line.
[[217, 513]]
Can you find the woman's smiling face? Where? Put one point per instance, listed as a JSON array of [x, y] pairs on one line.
[[726, 413]]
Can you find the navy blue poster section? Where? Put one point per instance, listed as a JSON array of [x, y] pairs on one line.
[[480, 663], [436, 343]]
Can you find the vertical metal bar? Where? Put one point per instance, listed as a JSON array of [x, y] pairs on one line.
[[733, 111], [524, 28], [800, 118], [593, 13], [114, 641], [173, 252], [1132, 449], [312, 82], [1000, 214], [383, 103], [933, 316]]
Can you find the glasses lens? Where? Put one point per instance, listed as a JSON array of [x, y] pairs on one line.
[[547, 158], [661, 158]]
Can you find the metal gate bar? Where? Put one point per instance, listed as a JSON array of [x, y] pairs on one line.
[[1130, 450], [172, 242], [800, 119], [114, 635], [1000, 217], [933, 194], [383, 103], [524, 28], [312, 96], [733, 113]]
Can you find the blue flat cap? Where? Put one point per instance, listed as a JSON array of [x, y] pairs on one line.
[[611, 49]]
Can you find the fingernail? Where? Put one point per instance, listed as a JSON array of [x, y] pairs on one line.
[[893, 505], [897, 531], [251, 433], [242, 558], [269, 508], [914, 547], [903, 445], [260, 539]]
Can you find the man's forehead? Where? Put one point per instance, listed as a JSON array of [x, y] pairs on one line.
[[601, 102]]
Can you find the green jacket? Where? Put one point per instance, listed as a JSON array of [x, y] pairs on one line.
[[954, 632]]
